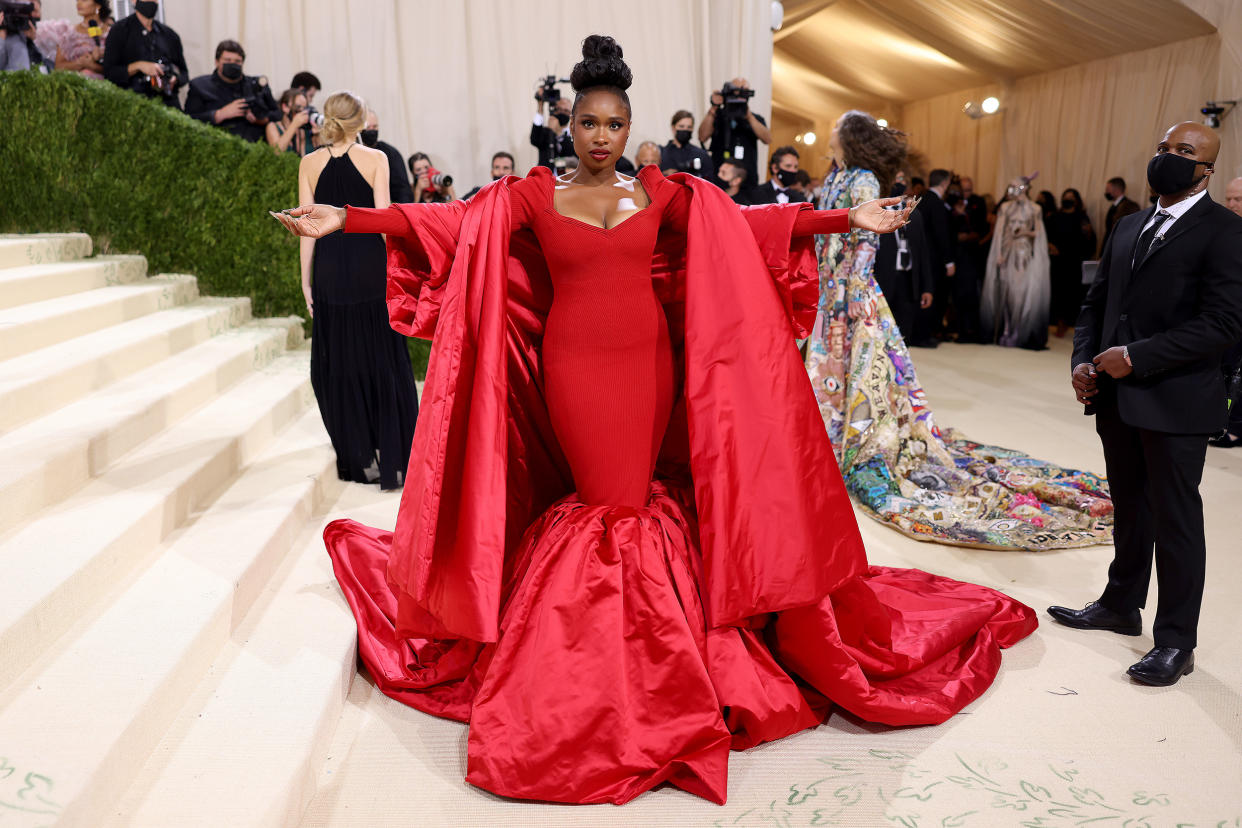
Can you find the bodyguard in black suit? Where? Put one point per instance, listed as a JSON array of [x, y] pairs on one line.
[[903, 272], [1165, 304], [941, 250]]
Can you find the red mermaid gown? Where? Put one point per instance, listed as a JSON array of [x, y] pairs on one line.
[[605, 678]]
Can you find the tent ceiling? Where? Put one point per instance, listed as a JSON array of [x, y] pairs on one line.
[[860, 52]]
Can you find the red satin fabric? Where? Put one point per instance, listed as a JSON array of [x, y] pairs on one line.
[[598, 650]]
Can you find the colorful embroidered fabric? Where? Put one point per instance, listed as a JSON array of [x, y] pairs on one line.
[[898, 465]]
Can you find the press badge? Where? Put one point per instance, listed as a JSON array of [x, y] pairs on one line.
[[739, 153], [698, 163]]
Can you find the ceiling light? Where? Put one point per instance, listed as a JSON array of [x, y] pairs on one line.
[[990, 105], [882, 121], [798, 138], [808, 138]]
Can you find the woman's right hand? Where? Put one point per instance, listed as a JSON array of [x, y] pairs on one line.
[[313, 221], [299, 120]]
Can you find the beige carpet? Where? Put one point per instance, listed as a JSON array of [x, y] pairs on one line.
[[1062, 739]]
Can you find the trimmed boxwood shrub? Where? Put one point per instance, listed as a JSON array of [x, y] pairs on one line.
[[84, 155]]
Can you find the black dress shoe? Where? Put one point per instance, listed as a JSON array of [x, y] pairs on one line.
[[1163, 666], [1095, 617]]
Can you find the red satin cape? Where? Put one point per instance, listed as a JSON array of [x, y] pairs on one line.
[[600, 651]]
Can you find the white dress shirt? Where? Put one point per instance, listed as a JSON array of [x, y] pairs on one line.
[[1175, 212]]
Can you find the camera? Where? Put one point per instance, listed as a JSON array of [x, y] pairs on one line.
[[252, 93], [736, 100], [1214, 111], [438, 180], [547, 91], [17, 16], [166, 83]]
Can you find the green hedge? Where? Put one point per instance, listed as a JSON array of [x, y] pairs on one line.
[[83, 155]]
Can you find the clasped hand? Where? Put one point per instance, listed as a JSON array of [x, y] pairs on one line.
[[1111, 362]]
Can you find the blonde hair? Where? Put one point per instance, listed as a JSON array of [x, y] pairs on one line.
[[344, 115]]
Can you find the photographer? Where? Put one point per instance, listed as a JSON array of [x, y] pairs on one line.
[[733, 129], [292, 133], [430, 185], [399, 191], [680, 155], [17, 37], [144, 56], [552, 141], [230, 99]]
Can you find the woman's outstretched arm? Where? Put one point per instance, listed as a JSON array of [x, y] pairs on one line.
[[869, 215]]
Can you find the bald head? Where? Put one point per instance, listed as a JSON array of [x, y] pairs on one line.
[[1233, 196], [648, 153], [1203, 139]]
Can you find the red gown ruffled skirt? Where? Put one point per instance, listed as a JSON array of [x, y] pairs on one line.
[[605, 677]]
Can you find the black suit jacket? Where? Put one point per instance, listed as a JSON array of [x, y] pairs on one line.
[[1123, 208], [914, 282], [940, 247], [399, 189], [766, 193], [1178, 310]]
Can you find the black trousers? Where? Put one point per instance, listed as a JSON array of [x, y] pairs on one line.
[[1154, 480]]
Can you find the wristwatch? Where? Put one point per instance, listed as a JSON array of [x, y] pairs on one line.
[[1125, 354]]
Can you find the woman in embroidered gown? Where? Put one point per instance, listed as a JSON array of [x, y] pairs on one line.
[[898, 465], [605, 559]]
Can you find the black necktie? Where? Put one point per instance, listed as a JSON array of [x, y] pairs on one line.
[[1149, 236]]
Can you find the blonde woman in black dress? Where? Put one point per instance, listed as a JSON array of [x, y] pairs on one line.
[[360, 367]]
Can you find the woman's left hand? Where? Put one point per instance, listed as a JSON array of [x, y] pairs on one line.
[[871, 215]]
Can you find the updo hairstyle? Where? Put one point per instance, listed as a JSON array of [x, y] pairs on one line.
[[344, 116], [601, 67]]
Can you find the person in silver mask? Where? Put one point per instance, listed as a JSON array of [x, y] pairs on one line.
[[1165, 305]]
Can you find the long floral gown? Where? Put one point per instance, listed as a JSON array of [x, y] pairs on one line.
[[899, 467]]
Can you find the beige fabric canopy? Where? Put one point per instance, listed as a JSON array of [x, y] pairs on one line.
[[1086, 87]]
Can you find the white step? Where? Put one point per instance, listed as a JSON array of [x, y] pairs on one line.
[[39, 382], [39, 248], [45, 461], [261, 725], [40, 324], [38, 282], [64, 561], [106, 695]]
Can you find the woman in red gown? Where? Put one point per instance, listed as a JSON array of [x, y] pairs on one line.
[[619, 553]]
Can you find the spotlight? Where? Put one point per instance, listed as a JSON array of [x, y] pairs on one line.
[[808, 138], [882, 121], [990, 105], [798, 138], [972, 110], [1214, 111]]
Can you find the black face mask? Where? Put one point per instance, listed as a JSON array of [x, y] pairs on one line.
[[897, 190], [683, 136], [1069, 204], [1108, 196], [370, 137], [562, 118], [231, 71], [1168, 173], [787, 177], [147, 8]]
